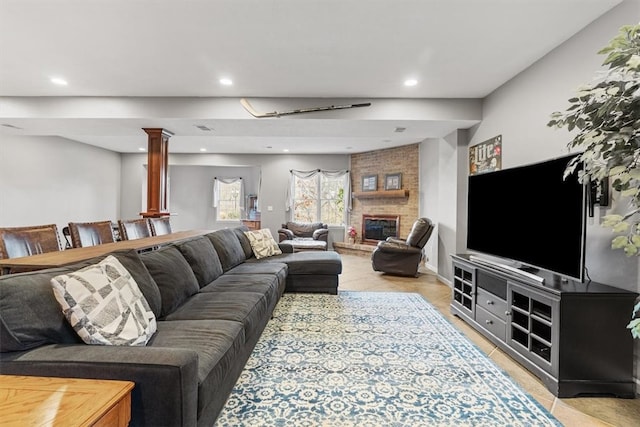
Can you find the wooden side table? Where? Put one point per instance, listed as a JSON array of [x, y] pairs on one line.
[[48, 401]]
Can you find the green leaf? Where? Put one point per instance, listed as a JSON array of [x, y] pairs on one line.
[[634, 325], [630, 250], [616, 170], [619, 242], [611, 220]]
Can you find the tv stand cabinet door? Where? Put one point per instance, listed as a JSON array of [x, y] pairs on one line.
[[464, 290], [533, 326]]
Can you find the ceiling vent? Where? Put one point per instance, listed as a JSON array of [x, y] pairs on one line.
[[204, 128], [399, 130]]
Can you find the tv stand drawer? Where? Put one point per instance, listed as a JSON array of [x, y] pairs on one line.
[[491, 303], [491, 323]]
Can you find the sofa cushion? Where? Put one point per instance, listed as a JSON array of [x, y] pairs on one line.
[[309, 262], [278, 269], [104, 304], [30, 316], [262, 243], [173, 275], [248, 308], [244, 240], [203, 259], [218, 344], [228, 248], [130, 259], [269, 285]]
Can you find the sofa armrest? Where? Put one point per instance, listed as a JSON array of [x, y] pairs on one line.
[[321, 234], [286, 248], [393, 247], [396, 240], [284, 234], [166, 390]]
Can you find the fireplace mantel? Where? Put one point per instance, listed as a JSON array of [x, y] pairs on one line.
[[381, 194]]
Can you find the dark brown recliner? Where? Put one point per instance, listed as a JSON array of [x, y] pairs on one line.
[[91, 233], [17, 242], [131, 229], [402, 257]]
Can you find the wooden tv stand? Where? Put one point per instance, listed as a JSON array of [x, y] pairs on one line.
[[571, 335]]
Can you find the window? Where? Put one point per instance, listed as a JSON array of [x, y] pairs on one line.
[[229, 200], [319, 196]]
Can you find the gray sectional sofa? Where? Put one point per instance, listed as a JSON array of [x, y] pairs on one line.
[[211, 298]]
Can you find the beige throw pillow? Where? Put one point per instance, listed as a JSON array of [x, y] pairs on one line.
[[263, 243], [104, 305]]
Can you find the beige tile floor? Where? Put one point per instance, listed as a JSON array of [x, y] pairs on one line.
[[358, 275]]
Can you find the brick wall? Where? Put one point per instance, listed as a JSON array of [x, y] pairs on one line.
[[393, 160]]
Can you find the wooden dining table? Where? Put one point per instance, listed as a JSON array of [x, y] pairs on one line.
[[71, 256]]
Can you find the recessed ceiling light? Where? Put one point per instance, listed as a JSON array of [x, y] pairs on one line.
[[226, 82], [410, 82], [142, 149], [286, 150], [59, 81], [203, 149]]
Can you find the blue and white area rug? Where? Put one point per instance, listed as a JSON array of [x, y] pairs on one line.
[[372, 359]]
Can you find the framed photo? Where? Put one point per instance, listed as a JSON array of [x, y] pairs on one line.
[[369, 182], [393, 181]]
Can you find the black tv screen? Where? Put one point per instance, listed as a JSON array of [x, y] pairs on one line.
[[530, 214]]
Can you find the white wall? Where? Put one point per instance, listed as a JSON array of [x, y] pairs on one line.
[[47, 180], [521, 108]]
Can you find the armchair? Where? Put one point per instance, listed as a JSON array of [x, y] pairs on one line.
[[304, 235], [402, 257]]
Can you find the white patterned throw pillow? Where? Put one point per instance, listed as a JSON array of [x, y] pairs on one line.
[[262, 243], [104, 305]]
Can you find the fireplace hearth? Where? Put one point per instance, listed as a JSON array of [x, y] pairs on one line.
[[378, 227]]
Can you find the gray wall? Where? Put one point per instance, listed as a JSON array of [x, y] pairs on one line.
[[521, 108], [47, 180], [191, 200]]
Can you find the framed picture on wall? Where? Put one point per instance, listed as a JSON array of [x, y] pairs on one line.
[[369, 182], [393, 181]]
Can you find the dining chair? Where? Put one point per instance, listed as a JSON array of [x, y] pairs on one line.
[[17, 242], [90, 233], [134, 228], [160, 226]]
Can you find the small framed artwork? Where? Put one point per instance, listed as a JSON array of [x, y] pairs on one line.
[[393, 181], [369, 182]]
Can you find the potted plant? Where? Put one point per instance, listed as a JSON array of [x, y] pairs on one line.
[[605, 115], [352, 233]]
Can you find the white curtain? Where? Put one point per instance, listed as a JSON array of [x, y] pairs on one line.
[[310, 174], [216, 190]]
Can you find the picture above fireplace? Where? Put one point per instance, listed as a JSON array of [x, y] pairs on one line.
[[378, 227]]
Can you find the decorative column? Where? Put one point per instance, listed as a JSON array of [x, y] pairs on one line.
[[157, 171]]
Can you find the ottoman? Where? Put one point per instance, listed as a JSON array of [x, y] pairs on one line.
[[304, 244]]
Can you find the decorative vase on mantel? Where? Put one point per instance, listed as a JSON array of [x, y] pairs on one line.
[[352, 240]]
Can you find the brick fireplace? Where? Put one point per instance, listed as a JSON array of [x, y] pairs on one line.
[[404, 159]]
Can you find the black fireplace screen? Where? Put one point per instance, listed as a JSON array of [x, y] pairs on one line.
[[379, 228]]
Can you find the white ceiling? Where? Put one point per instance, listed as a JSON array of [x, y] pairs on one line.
[[311, 50]]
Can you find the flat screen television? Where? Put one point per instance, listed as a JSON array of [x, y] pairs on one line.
[[530, 214]]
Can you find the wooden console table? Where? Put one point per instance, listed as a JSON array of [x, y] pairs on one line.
[[71, 256], [47, 401]]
